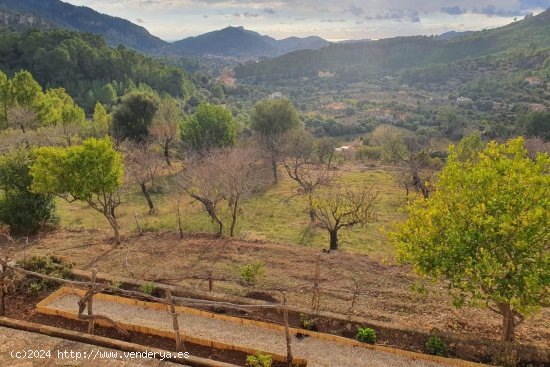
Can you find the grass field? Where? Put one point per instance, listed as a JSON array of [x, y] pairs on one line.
[[278, 214]]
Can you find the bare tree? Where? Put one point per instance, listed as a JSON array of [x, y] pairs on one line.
[[142, 165], [225, 175], [337, 208], [412, 153], [304, 166], [164, 128], [326, 147], [201, 180], [22, 118], [241, 175]]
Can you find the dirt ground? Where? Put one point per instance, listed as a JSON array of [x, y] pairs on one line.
[[386, 289]]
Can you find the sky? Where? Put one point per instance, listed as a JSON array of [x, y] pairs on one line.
[[331, 19]]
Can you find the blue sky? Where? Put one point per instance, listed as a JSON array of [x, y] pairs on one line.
[[330, 19]]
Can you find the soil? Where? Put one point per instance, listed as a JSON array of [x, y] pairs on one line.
[[386, 293]]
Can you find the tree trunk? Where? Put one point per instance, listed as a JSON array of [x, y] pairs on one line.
[[166, 150], [334, 239], [274, 168], [148, 198], [234, 216], [508, 322], [116, 230]]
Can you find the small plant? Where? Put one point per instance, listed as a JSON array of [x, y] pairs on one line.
[[148, 288], [366, 335], [116, 284], [252, 273], [54, 266], [34, 288], [436, 346], [259, 360], [307, 323]]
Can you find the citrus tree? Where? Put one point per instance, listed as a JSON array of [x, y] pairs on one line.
[[91, 172], [486, 231]]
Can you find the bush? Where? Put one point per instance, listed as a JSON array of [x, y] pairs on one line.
[[148, 288], [307, 323], [366, 335], [54, 266], [436, 346], [259, 360], [23, 211], [252, 273], [365, 152]]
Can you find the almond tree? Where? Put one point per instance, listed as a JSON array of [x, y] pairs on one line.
[[142, 166], [164, 129], [335, 208]]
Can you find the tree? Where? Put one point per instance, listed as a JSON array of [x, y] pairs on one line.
[[337, 208], [485, 231], [23, 118], [142, 164], [107, 95], [303, 165], [537, 124], [412, 153], [164, 129], [91, 172], [451, 122], [64, 113], [6, 98], [223, 175], [133, 117], [272, 120], [22, 210], [217, 91], [209, 128], [101, 122], [240, 176]]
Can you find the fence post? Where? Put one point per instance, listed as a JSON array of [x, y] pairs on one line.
[[3, 271], [210, 281], [175, 324], [287, 333], [316, 297], [89, 305]]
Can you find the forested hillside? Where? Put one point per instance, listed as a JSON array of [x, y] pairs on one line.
[[86, 67], [355, 61], [80, 18]]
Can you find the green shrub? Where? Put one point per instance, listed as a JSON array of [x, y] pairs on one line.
[[148, 288], [22, 210], [251, 274], [436, 346], [259, 360], [365, 152], [116, 284], [366, 335], [307, 323], [54, 266]]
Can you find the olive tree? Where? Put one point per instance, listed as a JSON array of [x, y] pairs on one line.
[[485, 231], [91, 172], [272, 120]]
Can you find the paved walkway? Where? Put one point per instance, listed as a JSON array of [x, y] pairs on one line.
[[319, 353], [17, 343]]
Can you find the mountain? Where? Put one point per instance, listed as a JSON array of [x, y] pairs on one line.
[[452, 34], [83, 19], [22, 21], [360, 60], [237, 41]]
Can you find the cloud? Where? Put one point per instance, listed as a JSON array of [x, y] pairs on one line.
[[399, 15], [140, 20], [333, 20], [245, 15], [357, 11], [492, 10], [270, 11], [453, 10]]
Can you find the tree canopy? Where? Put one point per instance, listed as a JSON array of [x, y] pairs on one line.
[[133, 117], [210, 127], [485, 230]]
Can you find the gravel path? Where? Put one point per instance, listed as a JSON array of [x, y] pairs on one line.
[[13, 341], [319, 353]]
